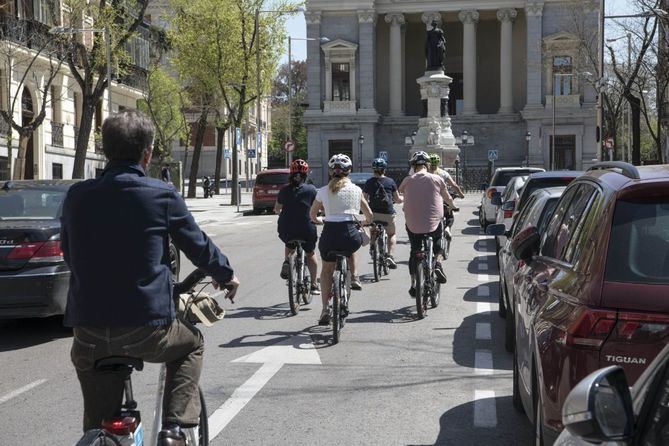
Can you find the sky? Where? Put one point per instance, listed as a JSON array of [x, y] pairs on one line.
[[296, 27]]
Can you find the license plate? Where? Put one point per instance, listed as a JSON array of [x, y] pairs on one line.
[[273, 191]]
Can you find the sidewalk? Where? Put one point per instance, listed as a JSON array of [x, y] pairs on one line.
[[218, 208]]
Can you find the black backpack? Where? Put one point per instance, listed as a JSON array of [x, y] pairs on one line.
[[380, 201]]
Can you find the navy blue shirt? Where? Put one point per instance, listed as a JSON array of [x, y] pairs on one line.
[[294, 220], [390, 187], [115, 240]]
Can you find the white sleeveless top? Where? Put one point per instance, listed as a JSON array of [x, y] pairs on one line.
[[343, 205]]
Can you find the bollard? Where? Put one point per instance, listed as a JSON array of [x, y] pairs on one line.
[[239, 194]]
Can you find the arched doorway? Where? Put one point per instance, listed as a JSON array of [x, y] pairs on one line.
[[27, 114]]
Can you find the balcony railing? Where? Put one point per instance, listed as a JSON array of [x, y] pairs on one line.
[[57, 134], [134, 77], [30, 33]]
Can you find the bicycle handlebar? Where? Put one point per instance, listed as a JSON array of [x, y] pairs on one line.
[[189, 282]]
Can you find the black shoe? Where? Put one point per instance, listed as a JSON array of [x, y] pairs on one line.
[[439, 272], [285, 270], [355, 284], [171, 438], [315, 289], [412, 291], [391, 262], [325, 318]]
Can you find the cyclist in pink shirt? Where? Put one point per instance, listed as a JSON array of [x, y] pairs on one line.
[[424, 196]]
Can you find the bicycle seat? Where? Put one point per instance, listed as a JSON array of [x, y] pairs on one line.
[[339, 253], [296, 241], [119, 362], [379, 222]]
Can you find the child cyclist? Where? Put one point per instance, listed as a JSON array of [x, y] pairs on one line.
[[292, 205]]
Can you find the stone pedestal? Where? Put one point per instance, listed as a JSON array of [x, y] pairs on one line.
[[434, 133]]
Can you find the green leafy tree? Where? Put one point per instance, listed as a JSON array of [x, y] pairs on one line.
[[281, 110]]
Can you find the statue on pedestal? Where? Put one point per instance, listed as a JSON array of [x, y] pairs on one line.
[[435, 48]]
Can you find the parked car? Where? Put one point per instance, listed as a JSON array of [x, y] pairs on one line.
[[601, 409], [360, 178], [498, 182], [34, 278], [592, 291], [543, 180], [538, 210], [506, 204], [267, 186]]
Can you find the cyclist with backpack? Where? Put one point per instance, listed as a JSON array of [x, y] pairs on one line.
[[381, 192], [292, 205]]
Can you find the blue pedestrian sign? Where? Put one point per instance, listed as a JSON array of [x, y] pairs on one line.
[[259, 141], [251, 153], [384, 155], [493, 155], [227, 154], [238, 134]]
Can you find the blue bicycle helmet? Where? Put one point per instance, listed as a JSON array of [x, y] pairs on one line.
[[379, 163]]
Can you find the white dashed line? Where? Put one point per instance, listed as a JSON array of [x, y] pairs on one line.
[[483, 278], [23, 389], [483, 307], [483, 331], [485, 409], [483, 362]]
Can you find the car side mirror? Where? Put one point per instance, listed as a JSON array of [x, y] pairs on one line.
[[497, 229], [496, 199], [599, 409], [526, 244]]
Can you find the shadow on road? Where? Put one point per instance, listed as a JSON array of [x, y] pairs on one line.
[[262, 340], [490, 260], [474, 294], [17, 334], [484, 245], [471, 230], [458, 425], [278, 311], [463, 353], [400, 316]]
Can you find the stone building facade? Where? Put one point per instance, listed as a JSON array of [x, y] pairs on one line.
[[517, 67]]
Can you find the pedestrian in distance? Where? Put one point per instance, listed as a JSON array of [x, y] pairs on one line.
[[341, 201], [381, 192], [165, 173], [293, 204], [120, 299], [207, 186]]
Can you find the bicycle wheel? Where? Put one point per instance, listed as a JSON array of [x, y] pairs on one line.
[[384, 253], [376, 260], [199, 435], [293, 298], [336, 299], [436, 290], [420, 290]]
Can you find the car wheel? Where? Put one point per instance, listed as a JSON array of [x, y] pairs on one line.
[[538, 414], [516, 399], [501, 309]]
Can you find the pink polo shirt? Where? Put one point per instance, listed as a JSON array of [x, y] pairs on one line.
[[423, 202]]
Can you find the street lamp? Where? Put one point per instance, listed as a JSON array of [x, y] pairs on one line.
[[107, 33], [290, 84], [528, 138], [361, 141]]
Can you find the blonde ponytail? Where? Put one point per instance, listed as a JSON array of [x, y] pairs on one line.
[[337, 183]]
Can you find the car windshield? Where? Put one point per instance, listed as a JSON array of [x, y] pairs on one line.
[[639, 245], [272, 178], [31, 204]]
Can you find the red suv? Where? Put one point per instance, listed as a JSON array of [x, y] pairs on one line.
[[267, 186], [594, 290]]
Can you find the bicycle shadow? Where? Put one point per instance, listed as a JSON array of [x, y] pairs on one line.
[[244, 340], [275, 312], [17, 334], [399, 316]]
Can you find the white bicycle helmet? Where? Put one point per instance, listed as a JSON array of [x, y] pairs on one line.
[[340, 162], [420, 157]]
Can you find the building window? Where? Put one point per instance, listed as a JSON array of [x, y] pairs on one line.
[[42, 11], [564, 152], [4, 168], [344, 146], [562, 75], [57, 171], [341, 82]]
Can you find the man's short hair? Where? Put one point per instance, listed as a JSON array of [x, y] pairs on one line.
[[126, 134]]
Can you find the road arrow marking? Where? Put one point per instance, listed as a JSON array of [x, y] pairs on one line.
[[295, 350]]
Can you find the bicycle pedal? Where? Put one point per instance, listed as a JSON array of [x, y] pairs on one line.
[[343, 311]]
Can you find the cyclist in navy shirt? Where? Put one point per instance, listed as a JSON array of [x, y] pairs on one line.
[[381, 191], [292, 205]]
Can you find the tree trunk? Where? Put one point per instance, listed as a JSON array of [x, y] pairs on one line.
[[635, 104], [220, 135], [235, 164], [197, 150], [20, 166], [85, 126], [10, 161]]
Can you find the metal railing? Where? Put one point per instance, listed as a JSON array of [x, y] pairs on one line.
[[57, 134]]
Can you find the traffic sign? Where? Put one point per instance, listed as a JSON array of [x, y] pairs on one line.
[[384, 155], [289, 146], [493, 155], [227, 154], [251, 153], [238, 134], [259, 141]]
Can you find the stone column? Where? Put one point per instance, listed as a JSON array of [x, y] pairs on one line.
[[506, 17], [313, 19], [429, 17], [367, 49], [395, 63], [469, 20], [534, 12]]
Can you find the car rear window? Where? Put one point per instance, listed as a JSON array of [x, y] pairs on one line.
[[639, 246], [37, 204], [503, 177], [272, 178], [545, 183]]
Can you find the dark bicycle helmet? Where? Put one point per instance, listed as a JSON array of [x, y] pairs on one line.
[[379, 163], [419, 158], [299, 166]]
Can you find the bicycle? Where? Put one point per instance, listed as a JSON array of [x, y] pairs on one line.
[[447, 222], [427, 286], [126, 429], [299, 280], [379, 250], [341, 286]]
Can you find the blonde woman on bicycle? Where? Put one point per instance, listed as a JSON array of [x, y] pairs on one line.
[[341, 201]]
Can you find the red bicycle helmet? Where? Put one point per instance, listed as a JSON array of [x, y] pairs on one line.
[[299, 166]]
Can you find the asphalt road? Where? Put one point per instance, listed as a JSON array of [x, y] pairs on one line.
[[275, 379]]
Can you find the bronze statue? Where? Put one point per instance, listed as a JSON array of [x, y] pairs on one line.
[[435, 48]]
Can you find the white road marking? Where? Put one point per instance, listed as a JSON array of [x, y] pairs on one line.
[[483, 291], [485, 409], [483, 362], [483, 307], [483, 331], [295, 350], [483, 278], [23, 389]]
